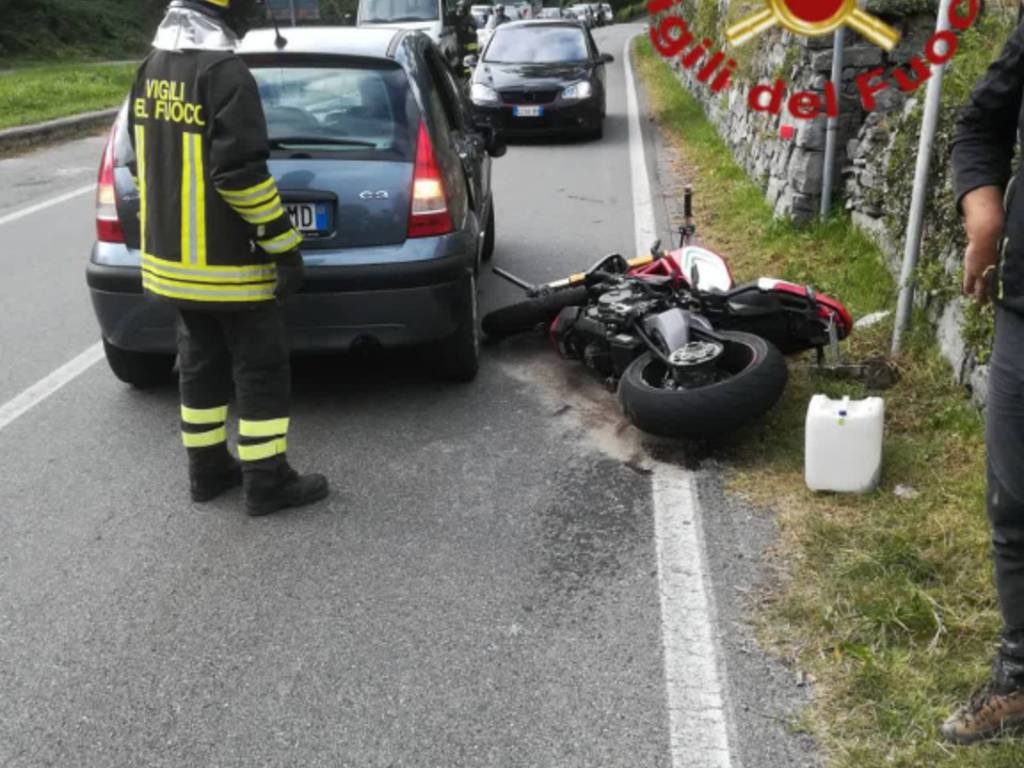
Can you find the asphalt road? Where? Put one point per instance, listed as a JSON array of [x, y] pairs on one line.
[[482, 589]]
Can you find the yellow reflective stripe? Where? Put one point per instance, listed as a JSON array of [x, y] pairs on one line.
[[215, 273], [282, 243], [259, 199], [188, 210], [262, 451], [221, 3], [204, 415], [174, 289], [204, 439], [265, 215], [268, 428], [273, 202], [200, 182], [253, 194], [140, 182]]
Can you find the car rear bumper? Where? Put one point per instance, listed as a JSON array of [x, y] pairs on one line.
[[339, 306], [557, 119]]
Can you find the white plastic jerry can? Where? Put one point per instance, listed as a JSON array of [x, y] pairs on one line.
[[843, 448]]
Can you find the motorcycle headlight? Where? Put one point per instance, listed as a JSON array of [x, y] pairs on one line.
[[578, 91], [481, 94]]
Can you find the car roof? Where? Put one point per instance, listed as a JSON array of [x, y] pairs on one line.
[[541, 23], [338, 41]]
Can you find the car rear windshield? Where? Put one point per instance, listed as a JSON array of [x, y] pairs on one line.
[[394, 11], [345, 111], [537, 45]]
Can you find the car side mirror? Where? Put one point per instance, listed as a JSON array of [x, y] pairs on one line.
[[494, 143], [605, 58]]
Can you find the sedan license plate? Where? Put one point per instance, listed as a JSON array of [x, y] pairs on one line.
[[309, 218], [528, 111]]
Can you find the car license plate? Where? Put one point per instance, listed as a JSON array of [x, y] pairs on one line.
[[528, 111], [309, 218]]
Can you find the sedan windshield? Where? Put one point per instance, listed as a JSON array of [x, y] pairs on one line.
[[347, 111], [537, 45], [394, 11]]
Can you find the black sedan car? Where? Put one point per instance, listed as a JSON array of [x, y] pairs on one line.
[[380, 167], [541, 77]]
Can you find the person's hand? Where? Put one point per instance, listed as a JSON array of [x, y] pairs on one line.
[[981, 261], [290, 274], [984, 220]]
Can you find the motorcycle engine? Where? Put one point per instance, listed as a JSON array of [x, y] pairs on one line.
[[616, 307]]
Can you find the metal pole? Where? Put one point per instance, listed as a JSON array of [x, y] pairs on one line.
[[294, 22], [915, 223], [832, 135]]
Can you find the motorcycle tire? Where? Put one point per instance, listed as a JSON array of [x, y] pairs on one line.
[[527, 315], [758, 377]]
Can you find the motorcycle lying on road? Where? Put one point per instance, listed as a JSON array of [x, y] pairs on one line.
[[692, 354]]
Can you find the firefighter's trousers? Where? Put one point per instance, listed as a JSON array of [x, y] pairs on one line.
[[244, 353]]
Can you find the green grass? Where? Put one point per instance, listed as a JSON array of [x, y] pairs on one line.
[[43, 92], [887, 602]]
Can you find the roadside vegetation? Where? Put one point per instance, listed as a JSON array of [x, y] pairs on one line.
[[887, 599], [43, 92]]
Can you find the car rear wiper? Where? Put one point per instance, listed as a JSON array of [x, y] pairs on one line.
[[287, 141]]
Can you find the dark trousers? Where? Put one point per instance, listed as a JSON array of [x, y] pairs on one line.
[[1005, 442], [244, 353]]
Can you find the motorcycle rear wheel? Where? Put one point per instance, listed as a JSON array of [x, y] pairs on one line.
[[527, 315], [754, 376]]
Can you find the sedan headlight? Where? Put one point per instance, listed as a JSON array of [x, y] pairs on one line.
[[481, 94], [582, 90]]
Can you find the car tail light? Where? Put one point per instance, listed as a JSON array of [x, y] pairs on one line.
[[108, 224], [429, 215]]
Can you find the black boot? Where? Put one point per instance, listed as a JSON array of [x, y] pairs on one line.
[[272, 485], [212, 471]]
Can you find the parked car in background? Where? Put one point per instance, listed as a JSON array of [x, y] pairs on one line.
[[607, 13], [541, 77], [383, 171], [432, 17], [479, 14], [583, 13], [550, 12]]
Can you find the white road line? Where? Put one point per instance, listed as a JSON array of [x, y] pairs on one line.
[[643, 207], [12, 217], [698, 723], [45, 387]]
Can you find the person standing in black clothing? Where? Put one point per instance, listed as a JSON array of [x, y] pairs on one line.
[[988, 130], [465, 33], [217, 243]]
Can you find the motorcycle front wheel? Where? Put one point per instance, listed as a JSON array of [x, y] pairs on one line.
[[747, 380], [527, 315]]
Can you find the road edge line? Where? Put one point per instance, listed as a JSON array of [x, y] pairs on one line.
[[42, 206], [29, 398], [698, 721], [646, 228]]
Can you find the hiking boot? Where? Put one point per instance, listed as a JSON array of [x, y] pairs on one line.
[[212, 471], [987, 716], [1000, 706], [273, 485]]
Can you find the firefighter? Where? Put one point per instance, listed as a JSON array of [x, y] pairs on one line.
[[465, 32], [217, 242]]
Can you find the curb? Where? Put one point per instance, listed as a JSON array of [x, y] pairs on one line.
[[31, 135]]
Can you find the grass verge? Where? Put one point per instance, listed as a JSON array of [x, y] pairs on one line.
[[888, 601], [44, 92]]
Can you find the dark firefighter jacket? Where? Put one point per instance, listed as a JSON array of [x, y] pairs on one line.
[[212, 218], [989, 128]]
